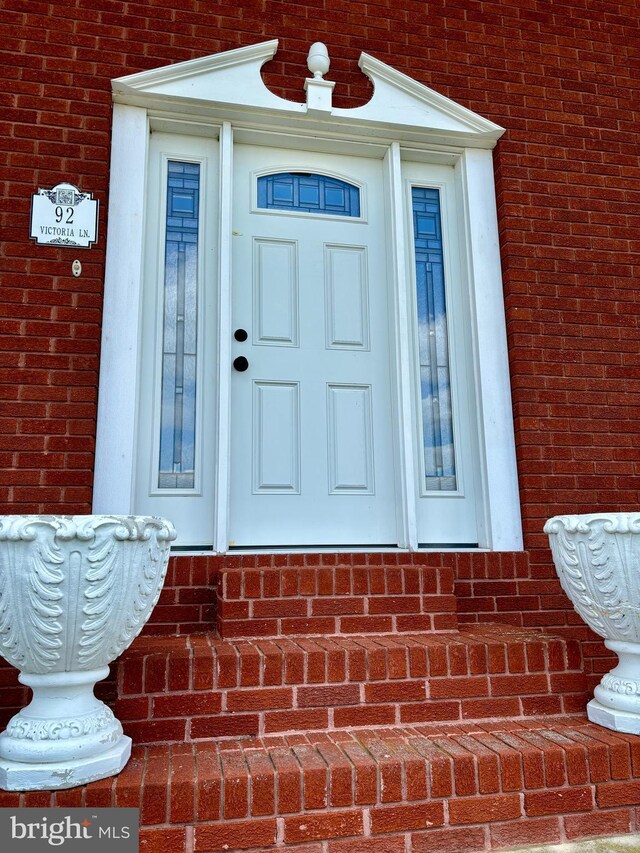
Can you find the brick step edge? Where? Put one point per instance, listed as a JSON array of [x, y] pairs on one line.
[[186, 688], [423, 788]]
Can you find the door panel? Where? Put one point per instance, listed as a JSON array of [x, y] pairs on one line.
[[347, 297], [311, 446], [275, 289], [350, 439], [276, 438]]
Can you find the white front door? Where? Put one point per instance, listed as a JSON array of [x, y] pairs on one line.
[[312, 459]]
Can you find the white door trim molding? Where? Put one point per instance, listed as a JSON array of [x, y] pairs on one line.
[[224, 325], [122, 305], [225, 90], [500, 508], [403, 415]]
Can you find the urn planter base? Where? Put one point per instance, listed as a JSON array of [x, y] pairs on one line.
[[64, 737], [610, 718], [616, 702], [23, 776]]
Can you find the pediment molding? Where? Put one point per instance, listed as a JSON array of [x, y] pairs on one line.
[[397, 97], [229, 84]]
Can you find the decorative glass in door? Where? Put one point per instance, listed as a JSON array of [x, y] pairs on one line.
[[308, 193], [437, 420], [179, 339]]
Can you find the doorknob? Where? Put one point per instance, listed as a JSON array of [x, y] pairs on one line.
[[240, 363], [240, 335]]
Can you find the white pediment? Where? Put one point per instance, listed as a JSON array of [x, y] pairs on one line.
[[232, 77], [398, 99], [233, 80]]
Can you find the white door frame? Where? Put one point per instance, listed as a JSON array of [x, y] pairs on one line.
[[223, 477], [208, 97]]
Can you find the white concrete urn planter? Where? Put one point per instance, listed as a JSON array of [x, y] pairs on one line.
[[597, 558], [74, 592]]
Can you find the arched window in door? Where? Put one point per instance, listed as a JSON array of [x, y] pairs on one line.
[[308, 193]]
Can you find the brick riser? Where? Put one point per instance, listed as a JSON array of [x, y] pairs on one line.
[[189, 600], [348, 595], [425, 789], [175, 689]]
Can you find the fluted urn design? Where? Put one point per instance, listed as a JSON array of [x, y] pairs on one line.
[[74, 592], [597, 558]]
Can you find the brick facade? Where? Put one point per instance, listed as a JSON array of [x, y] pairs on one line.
[[562, 83], [563, 80]]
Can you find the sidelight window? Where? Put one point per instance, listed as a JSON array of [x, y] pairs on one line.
[[435, 380], [178, 396]]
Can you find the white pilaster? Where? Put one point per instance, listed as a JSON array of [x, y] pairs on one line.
[[119, 363], [406, 488], [500, 508], [225, 331]]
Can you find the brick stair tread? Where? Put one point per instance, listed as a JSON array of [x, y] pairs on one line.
[[440, 647], [199, 686], [536, 779]]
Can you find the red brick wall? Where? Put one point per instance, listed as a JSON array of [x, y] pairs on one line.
[[561, 78]]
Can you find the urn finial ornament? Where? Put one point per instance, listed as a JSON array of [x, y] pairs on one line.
[[318, 89], [318, 60]]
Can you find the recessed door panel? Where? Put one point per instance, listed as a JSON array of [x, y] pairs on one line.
[[347, 297], [350, 439], [275, 292], [276, 437]]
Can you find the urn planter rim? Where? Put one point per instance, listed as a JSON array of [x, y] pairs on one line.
[[84, 527], [610, 522]]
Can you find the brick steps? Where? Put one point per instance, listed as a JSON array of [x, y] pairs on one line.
[[339, 708], [175, 689], [440, 787]]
